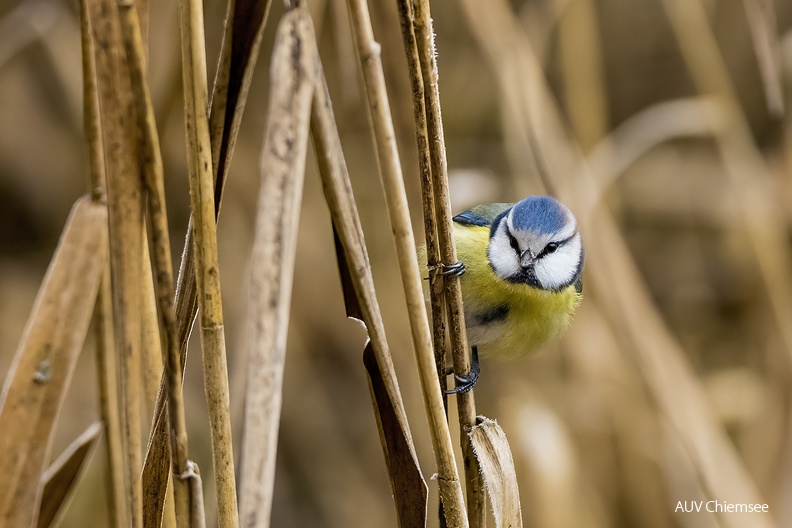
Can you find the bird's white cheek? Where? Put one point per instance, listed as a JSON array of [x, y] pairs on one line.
[[501, 255], [558, 269], [504, 261]]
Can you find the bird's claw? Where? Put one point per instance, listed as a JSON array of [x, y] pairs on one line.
[[468, 381], [464, 383], [456, 269]]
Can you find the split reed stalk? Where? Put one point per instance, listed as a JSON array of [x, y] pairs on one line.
[[393, 183], [207, 267], [272, 261], [155, 187], [466, 406], [103, 323], [125, 207]]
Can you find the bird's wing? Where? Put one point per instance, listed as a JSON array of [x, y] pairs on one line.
[[482, 215]]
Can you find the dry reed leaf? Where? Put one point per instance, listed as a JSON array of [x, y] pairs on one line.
[[272, 261], [125, 213], [764, 34], [156, 472], [241, 43], [351, 303], [60, 478], [154, 351], [44, 362], [409, 487], [497, 468]]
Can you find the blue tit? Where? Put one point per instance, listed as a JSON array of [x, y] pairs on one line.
[[520, 271]]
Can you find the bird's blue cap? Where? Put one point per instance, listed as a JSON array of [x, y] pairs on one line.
[[541, 214]]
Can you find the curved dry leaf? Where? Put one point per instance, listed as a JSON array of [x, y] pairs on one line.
[[497, 467], [44, 362], [59, 479]]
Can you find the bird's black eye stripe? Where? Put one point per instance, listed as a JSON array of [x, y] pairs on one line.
[[550, 248], [513, 242]]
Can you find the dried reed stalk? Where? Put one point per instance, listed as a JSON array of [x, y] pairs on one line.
[[43, 365], [109, 403], [466, 406], [207, 268], [152, 357], [346, 221], [272, 261], [393, 183], [436, 285], [60, 478], [764, 34], [103, 326], [154, 180], [125, 208]]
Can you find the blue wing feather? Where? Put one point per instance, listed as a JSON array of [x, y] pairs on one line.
[[482, 215]]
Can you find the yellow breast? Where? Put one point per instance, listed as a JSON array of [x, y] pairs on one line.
[[503, 318]]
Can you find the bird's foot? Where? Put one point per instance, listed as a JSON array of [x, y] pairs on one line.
[[456, 269], [466, 382]]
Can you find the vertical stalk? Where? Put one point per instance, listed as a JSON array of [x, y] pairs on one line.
[[393, 183], [103, 314], [207, 270], [155, 187], [424, 43], [125, 208]]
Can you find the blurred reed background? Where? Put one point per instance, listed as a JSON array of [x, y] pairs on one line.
[[629, 413]]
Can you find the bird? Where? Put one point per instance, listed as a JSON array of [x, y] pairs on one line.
[[520, 269]]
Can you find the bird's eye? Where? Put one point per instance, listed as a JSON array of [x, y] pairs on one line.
[[551, 247], [513, 242]]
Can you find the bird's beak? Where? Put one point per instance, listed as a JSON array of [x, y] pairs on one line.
[[527, 259]]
